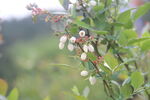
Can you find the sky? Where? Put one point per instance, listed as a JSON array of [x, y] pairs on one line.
[[17, 8]]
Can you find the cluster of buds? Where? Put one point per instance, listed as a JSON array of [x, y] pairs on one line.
[[86, 47], [71, 42], [38, 11], [83, 38], [98, 60], [35, 9], [92, 79]]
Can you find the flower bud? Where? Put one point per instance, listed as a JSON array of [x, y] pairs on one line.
[[61, 45], [73, 1], [90, 48], [82, 33], [70, 47], [84, 73], [63, 39], [92, 80], [73, 39], [92, 3], [83, 56], [85, 48]]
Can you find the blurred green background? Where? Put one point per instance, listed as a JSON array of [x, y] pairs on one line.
[[31, 61]]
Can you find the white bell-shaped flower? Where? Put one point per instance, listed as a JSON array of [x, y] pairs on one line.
[[73, 39], [63, 39], [90, 48], [92, 3], [85, 48], [82, 33], [61, 45], [92, 80], [70, 47], [83, 56], [84, 73]]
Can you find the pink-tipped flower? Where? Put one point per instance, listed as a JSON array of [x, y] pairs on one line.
[[92, 80], [82, 33], [73, 39], [90, 48], [83, 56], [63, 39], [85, 48], [61, 45], [84, 73], [70, 47]]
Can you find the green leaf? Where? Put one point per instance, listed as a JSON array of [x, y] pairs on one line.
[[127, 35], [99, 32], [145, 45], [3, 87], [14, 94], [82, 24], [137, 79], [73, 29], [75, 91], [91, 56], [101, 24], [126, 81], [130, 34], [137, 40], [120, 66], [90, 66], [111, 60], [126, 90], [124, 17], [87, 26], [105, 69], [92, 22], [141, 11]]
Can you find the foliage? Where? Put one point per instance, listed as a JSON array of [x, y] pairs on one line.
[[106, 45]]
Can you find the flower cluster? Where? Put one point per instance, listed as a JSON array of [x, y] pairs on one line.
[[38, 11], [35, 9], [71, 42], [74, 42]]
